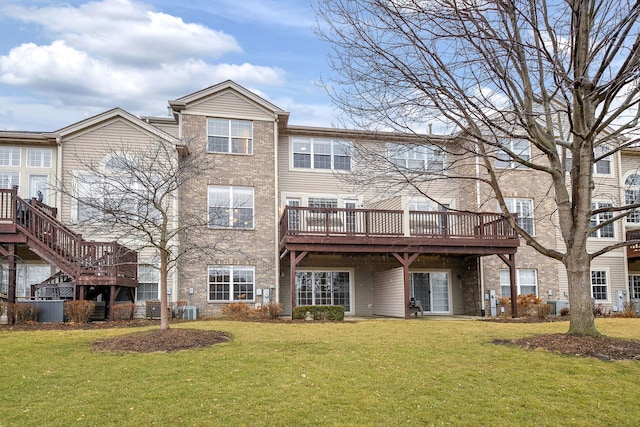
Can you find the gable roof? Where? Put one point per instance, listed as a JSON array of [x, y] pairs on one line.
[[181, 103], [110, 115]]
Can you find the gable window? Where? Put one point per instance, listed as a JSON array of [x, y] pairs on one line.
[[631, 193], [599, 285], [231, 283], [230, 207], [519, 147], [9, 179], [526, 282], [323, 288], [9, 156], [602, 166], [229, 136], [524, 209], [602, 217], [148, 279], [318, 153], [39, 157], [416, 157]]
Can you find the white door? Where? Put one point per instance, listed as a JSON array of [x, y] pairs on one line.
[[350, 218], [294, 215]]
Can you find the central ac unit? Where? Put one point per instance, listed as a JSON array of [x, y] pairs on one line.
[[190, 313]]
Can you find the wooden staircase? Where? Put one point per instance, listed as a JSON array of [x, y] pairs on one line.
[[81, 263]]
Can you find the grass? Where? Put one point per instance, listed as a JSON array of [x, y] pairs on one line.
[[383, 373]]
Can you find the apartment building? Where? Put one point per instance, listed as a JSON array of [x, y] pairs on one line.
[[305, 216]]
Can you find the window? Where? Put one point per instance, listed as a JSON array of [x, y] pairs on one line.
[[230, 136], [519, 147], [602, 166], [323, 288], [39, 185], [526, 282], [230, 207], [599, 285], [315, 153], [148, 279], [524, 209], [231, 283], [9, 156], [9, 179], [416, 157], [634, 286], [90, 198], [631, 193], [39, 157], [602, 217]]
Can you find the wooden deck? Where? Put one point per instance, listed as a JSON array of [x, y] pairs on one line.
[[375, 231], [82, 264]]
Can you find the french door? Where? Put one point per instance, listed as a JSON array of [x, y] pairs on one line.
[[432, 289]]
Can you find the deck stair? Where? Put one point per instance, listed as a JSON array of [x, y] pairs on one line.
[[81, 263]]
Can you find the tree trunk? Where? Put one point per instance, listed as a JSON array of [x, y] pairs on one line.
[[581, 317], [164, 306]]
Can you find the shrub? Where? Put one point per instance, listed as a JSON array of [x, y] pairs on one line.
[[564, 311], [271, 310], [237, 311], [543, 310], [177, 309], [319, 312], [25, 312], [527, 305], [123, 311], [79, 311], [628, 310], [3, 307]]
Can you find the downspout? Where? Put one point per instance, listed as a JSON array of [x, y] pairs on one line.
[[480, 264], [176, 210], [276, 190]]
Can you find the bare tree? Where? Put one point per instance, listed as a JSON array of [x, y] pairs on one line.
[[130, 192], [562, 76]]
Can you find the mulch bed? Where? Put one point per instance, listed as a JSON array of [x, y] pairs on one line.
[[162, 340], [604, 348]]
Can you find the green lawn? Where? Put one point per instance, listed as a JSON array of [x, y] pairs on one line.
[[377, 372]]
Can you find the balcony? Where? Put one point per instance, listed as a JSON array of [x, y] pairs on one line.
[[373, 230], [633, 251]]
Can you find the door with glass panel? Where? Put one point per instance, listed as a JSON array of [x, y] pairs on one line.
[[350, 218], [432, 290], [294, 215]]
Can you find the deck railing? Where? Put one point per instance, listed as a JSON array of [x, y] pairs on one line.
[[633, 251], [392, 223], [71, 253]]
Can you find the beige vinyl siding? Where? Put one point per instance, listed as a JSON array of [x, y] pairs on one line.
[[392, 203], [229, 104], [388, 295], [171, 129]]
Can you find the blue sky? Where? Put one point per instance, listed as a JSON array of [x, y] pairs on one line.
[[63, 61]]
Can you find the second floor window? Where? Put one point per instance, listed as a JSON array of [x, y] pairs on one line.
[[318, 153], [631, 196], [520, 148], [524, 209], [416, 157], [230, 136], [9, 156], [39, 157], [230, 207], [602, 217], [9, 179], [602, 166]]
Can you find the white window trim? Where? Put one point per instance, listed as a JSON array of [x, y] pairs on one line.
[[230, 227], [630, 276], [292, 166], [336, 270], [608, 158], [513, 164], [231, 284], [230, 137], [608, 276], [43, 151], [17, 162], [598, 237], [514, 211], [518, 284], [409, 148]]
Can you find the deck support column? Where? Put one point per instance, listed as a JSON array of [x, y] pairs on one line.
[[510, 260], [11, 285], [295, 257], [406, 260]]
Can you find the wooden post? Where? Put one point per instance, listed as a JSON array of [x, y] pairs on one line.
[[406, 260], [11, 285], [294, 258]]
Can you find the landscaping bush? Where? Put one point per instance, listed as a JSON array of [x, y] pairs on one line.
[[25, 313], [269, 311], [177, 309], [543, 310], [123, 311], [79, 311], [237, 311], [3, 307], [564, 311], [628, 311], [319, 312], [527, 305]]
